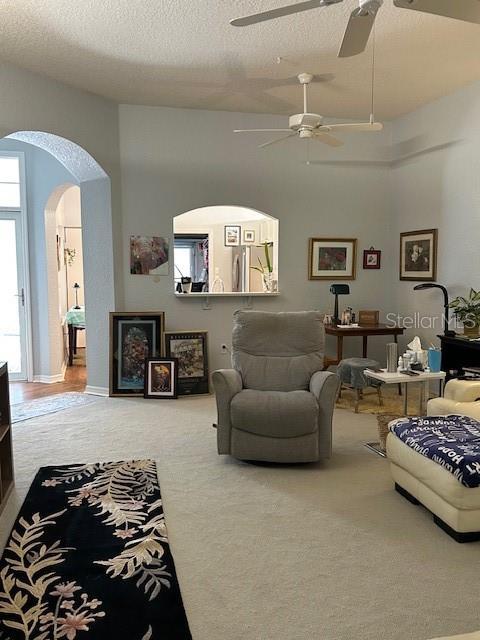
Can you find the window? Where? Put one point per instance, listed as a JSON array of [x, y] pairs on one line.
[[9, 182]]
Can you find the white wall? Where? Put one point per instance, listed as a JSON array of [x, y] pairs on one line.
[[440, 190], [32, 102], [175, 160]]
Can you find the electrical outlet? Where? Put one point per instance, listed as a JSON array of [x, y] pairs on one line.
[[224, 348]]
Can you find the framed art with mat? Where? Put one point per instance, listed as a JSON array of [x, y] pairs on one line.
[[190, 348], [134, 337]]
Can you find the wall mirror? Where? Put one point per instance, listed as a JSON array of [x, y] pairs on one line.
[[225, 250]]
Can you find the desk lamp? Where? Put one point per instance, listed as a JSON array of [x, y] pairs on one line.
[[338, 290], [432, 285]]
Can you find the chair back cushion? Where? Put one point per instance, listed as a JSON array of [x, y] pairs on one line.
[[277, 351]]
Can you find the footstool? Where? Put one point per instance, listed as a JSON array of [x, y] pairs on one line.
[[421, 480], [351, 372]]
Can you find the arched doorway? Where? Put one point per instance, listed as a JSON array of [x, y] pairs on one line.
[[96, 213]]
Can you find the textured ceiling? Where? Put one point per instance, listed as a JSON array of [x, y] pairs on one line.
[[184, 53]]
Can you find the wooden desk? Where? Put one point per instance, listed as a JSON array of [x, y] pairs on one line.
[[459, 352], [364, 331]]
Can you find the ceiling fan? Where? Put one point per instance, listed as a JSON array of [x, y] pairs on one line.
[[363, 17], [310, 125]]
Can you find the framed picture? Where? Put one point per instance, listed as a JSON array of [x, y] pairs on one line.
[[191, 351], [232, 235], [418, 255], [134, 337], [148, 256], [372, 258], [248, 236], [161, 378], [332, 258]]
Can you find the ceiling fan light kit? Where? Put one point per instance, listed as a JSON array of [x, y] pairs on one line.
[[362, 18]]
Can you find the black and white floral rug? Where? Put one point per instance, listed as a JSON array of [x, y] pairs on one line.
[[88, 558]]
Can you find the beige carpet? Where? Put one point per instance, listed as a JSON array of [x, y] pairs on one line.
[[320, 552]]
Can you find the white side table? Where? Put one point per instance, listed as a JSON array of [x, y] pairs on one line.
[[401, 378]]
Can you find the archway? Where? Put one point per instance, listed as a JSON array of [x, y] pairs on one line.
[[96, 212]]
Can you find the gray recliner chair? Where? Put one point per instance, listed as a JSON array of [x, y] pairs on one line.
[[276, 404]]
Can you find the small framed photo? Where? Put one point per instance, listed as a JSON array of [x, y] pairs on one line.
[[332, 258], [134, 336], [248, 236], [372, 258], [232, 235], [161, 378], [418, 255], [189, 348]]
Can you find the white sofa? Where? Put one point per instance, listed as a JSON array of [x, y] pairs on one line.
[[461, 397], [455, 508]]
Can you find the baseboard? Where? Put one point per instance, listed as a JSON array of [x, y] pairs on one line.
[[96, 391], [59, 377]]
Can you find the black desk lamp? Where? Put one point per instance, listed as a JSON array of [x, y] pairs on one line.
[[338, 290], [432, 285]]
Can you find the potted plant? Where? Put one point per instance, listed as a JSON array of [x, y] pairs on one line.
[[467, 310], [266, 269]]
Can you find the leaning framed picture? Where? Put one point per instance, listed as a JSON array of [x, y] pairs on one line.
[[190, 348], [161, 378], [134, 337], [332, 258], [232, 235], [418, 255]]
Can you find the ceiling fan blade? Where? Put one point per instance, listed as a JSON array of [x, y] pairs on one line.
[[353, 126], [277, 13], [267, 144], [327, 139], [468, 10], [261, 130], [357, 33]]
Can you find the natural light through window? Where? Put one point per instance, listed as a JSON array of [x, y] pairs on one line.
[[9, 182]]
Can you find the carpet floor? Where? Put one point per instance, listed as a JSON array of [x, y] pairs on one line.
[[325, 551]]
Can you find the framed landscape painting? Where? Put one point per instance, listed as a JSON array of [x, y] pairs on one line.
[[418, 255], [134, 337], [161, 376], [232, 235], [190, 350], [332, 258]]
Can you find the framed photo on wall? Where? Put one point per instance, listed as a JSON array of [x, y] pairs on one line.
[[418, 255], [232, 235], [161, 377], [249, 236], [190, 348], [134, 337], [372, 258], [332, 258]]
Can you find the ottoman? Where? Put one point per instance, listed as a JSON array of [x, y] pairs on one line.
[[455, 507], [351, 372]]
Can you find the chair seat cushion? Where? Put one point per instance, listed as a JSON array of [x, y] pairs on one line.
[[275, 414], [351, 372]]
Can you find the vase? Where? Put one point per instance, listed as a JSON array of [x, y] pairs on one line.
[[267, 280], [471, 332]]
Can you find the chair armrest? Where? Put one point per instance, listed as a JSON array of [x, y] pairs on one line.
[[325, 385], [227, 383], [462, 390]]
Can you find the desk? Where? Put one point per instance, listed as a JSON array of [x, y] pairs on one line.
[[459, 352], [362, 330], [75, 319]]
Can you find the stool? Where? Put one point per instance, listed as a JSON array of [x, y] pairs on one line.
[[351, 372]]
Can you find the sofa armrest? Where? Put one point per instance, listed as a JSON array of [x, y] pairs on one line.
[[462, 390], [227, 383], [445, 407]]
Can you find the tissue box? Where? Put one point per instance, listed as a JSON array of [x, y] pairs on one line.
[[368, 317]]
